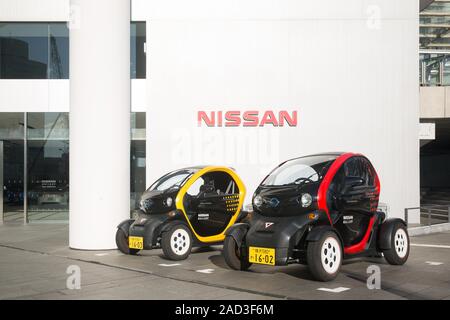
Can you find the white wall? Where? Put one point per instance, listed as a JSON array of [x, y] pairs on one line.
[[351, 70], [34, 10], [53, 95]]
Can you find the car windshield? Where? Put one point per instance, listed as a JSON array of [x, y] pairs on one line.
[[300, 171], [171, 180]]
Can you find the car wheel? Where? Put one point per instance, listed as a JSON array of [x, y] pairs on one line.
[[399, 251], [122, 243], [176, 242], [232, 255], [324, 257]]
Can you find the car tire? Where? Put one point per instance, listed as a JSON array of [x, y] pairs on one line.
[[324, 257], [399, 251], [122, 243], [232, 255], [176, 242]]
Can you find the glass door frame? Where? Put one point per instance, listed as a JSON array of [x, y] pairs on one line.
[[1, 183], [25, 168], [24, 180]]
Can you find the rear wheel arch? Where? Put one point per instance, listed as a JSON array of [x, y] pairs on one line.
[[385, 233]]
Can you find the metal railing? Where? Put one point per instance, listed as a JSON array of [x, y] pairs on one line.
[[434, 214]]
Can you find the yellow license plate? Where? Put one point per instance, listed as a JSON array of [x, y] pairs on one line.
[[261, 255], [136, 242]]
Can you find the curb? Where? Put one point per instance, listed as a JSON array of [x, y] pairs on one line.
[[436, 228]]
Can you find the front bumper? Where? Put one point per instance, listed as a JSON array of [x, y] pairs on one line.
[[284, 234], [150, 229]]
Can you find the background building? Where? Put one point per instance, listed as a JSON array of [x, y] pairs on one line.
[[435, 108], [350, 72]]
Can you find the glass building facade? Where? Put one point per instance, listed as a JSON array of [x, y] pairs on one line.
[[39, 142], [41, 50], [34, 146]]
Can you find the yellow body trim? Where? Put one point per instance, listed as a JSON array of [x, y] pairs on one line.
[[185, 188]]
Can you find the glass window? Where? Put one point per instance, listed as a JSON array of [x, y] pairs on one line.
[[369, 172], [41, 50], [430, 69], [137, 158], [59, 51], [138, 126], [299, 171], [11, 156], [138, 50], [34, 51], [171, 180], [11, 126], [352, 168], [48, 166], [11, 166], [48, 126]]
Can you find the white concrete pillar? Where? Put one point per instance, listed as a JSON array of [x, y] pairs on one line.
[[99, 121]]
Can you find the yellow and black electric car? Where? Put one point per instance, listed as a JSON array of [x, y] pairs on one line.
[[184, 208]]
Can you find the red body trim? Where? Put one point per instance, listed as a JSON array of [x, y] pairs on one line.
[[323, 188], [322, 200], [356, 248], [377, 182]]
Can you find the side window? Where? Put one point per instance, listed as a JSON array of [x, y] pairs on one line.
[[369, 172], [194, 189], [352, 168], [219, 183], [223, 183]]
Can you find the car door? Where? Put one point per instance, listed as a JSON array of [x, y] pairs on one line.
[[352, 200], [213, 201]]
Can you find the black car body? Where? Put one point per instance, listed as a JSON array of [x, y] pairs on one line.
[[184, 208], [305, 199]]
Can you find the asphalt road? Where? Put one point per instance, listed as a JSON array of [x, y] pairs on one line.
[[34, 260]]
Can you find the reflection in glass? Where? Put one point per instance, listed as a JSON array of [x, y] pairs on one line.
[[48, 125], [11, 166], [11, 156], [137, 158], [11, 125], [138, 126], [138, 50], [59, 51], [48, 166], [431, 68], [23, 50], [41, 50]]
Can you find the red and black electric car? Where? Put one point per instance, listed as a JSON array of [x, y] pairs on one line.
[[317, 210]]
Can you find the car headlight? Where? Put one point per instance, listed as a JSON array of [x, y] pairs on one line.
[[257, 201], [168, 202], [141, 220], [306, 200]]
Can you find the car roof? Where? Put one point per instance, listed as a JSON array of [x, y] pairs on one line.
[[336, 154]]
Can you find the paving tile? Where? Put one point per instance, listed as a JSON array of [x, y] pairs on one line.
[[36, 269]]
